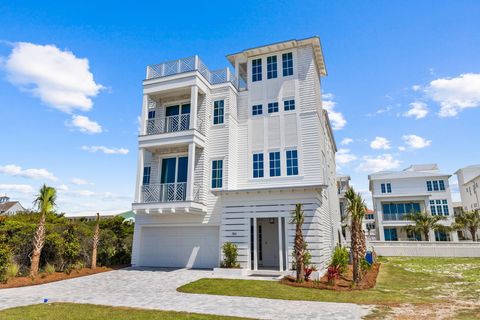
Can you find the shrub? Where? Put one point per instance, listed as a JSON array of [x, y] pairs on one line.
[[364, 265], [340, 259], [49, 269], [333, 273], [230, 254], [12, 270], [308, 271], [4, 262]]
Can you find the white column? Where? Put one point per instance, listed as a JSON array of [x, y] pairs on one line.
[[280, 243], [255, 244], [287, 256], [143, 117], [193, 107], [191, 171], [379, 226], [138, 186]]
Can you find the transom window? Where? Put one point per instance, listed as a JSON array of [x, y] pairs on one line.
[[256, 70], [289, 105], [217, 174], [271, 67], [292, 163], [272, 107], [287, 64], [258, 165], [274, 164], [257, 110], [218, 112], [146, 175]]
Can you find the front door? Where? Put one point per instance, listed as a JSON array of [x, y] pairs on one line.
[[173, 178]]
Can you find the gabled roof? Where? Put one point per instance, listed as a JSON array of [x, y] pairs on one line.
[[285, 45], [5, 206]]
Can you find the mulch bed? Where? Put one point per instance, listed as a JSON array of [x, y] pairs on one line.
[[343, 284], [57, 276]]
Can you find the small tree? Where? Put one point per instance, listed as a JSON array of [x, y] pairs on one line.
[[300, 246], [357, 209], [469, 220], [230, 254], [423, 223], [71, 247], [96, 238], [4, 262], [46, 202]]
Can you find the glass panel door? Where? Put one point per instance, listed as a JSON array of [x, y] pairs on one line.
[[171, 118], [185, 117]]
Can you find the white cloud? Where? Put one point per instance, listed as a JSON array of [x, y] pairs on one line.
[[57, 77], [63, 187], [418, 110], [337, 119], [84, 193], [380, 111], [105, 149], [416, 142], [343, 156], [22, 188], [80, 182], [416, 87], [455, 94], [379, 163], [40, 174], [402, 148], [380, 143], [346, 141], [84, 124]]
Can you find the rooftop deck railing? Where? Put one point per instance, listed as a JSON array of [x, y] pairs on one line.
[[191, 64]]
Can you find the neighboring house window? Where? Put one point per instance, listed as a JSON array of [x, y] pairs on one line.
[[429, 186], [441, 184], [445, 207], [273, 107], [146, 175], [289, 105], [389, 188], [256, 70], [386, 188], [217, 173], [292, 163], [432, 207], [435, 185], [274, 164], [390, 234], [441, 236], [257, 110], [287, 64], [271, 67], [258, 165], [218, 112], [151, 114]]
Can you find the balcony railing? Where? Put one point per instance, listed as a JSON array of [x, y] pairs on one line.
[[168, 192], [168, 124], [191, 64], [394, 216]]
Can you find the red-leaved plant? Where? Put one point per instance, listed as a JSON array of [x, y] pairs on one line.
[[333, 273], [308, 272]]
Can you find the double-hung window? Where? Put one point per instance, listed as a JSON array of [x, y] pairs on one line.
[[274, 158], [292, 163], [289, 105], [273, 107], [386, 188], [258, 165], [218, 112], [435, 185], [217, 174], [439, 207], [271, 67], [257, 110], [432, 207], [287, 64], [146, 175], [389, 188], [256, 70], [429, 186], [445, 207], [441, 184]]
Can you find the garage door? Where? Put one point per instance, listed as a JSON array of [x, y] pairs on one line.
[[179, 247]]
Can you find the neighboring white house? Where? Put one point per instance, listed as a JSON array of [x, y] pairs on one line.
[[418, 188], [8, 207], [225, 156], [469, 186]]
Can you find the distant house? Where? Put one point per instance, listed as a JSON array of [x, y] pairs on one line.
[[468, 184], [8, 207], [91, 216]]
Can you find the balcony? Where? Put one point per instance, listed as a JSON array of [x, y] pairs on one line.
[[393, 217], [189, 64], [168, 192], [168, 124]]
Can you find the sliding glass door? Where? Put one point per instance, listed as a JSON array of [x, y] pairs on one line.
[[173, 179]]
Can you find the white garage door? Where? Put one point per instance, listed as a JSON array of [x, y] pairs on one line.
[[179, 247]]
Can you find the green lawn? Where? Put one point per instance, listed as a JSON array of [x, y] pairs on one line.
[[401, 280], [71, 311]]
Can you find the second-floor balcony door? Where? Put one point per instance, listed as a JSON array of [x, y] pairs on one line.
[[177, 117], [173, 179]]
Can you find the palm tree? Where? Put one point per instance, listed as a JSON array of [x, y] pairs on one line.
[[45, 201], [357, 209], [96, 238], [423, 223], [468, 220], [299, 248]]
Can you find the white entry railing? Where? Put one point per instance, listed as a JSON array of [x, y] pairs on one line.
[[168, 124], [168, 192]]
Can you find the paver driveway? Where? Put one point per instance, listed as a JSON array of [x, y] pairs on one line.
[[156, 289]]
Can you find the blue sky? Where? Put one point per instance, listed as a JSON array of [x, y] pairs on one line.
[[403, 83]]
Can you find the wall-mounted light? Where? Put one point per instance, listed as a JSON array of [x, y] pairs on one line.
[[271, 220]]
